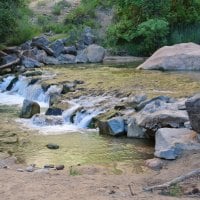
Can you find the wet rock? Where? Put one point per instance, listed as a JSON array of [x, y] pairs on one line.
[[183, 56], [160, 119], [30, 63], [54, 111], [11, 84], [30, 169], [135, 131], [60, 167], [70, 50], [52, 146], [29, 109], [47, 120], [66, 59], [170, 143], [193, 109], [57, 47], [154, 164], [95, 53], [114, 126], [68, 87]]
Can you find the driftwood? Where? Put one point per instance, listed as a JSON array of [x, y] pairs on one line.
[[10, 64], [174, 181], [3, 54]]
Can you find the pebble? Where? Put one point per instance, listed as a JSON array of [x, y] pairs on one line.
[[48, 166], [52, 146], [30, 169], [20, 170], [154, 164], [60, 167]]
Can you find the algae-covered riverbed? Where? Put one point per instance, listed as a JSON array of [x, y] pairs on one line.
[[89, 147]]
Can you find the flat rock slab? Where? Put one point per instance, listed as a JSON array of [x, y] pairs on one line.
[[171, 142]]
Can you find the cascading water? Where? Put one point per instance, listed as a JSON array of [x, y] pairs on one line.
[[77, 117]]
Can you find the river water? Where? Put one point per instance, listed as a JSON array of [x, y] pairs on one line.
[[77, 144]]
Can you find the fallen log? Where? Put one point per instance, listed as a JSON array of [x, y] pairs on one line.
[[3, 54], [10, 64], [174, 181]]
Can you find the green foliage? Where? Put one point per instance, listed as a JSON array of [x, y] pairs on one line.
[[151, 35], [15, 26]]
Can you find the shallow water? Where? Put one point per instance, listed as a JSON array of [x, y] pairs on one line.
[[88, 147]]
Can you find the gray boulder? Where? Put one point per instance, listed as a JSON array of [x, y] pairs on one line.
[[41, 56], [185, 56], [8, 59], [26, 46], [135, 131], [170, 143], [70, 50], [95, 53], [134, 101], [193, 109], [51, 61], [161, 119], [41, 41], [81, 57], [114, 126], [30, 63], [66, 59], [29, 109], [88, 37], [57, 47]]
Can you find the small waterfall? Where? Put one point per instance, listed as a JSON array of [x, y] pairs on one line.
[[5, 83], [77, 117]]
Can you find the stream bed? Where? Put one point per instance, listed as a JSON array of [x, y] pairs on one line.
[[80, 145]]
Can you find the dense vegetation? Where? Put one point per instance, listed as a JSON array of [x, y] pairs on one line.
[[15, 25], [139, 26]]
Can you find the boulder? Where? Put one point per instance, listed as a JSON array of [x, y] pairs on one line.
[[135, 131], [41, 56], [57, 47], [95, 53], [45, 120], [193, 109], [68, 87], [30, 63], [26, 46], [30, 53], [54, 111], [41, 41], [70, 50], [133, 101], [29, 109], [185, 56], [170, 142], [52, 146], [8, 59], [161, 119], [114, 126], [87, 37], [66, 59], [81, 57], [51, 61]]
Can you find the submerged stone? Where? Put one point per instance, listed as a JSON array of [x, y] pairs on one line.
[[53, 146]]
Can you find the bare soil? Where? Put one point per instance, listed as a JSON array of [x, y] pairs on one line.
[[96, 182]]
